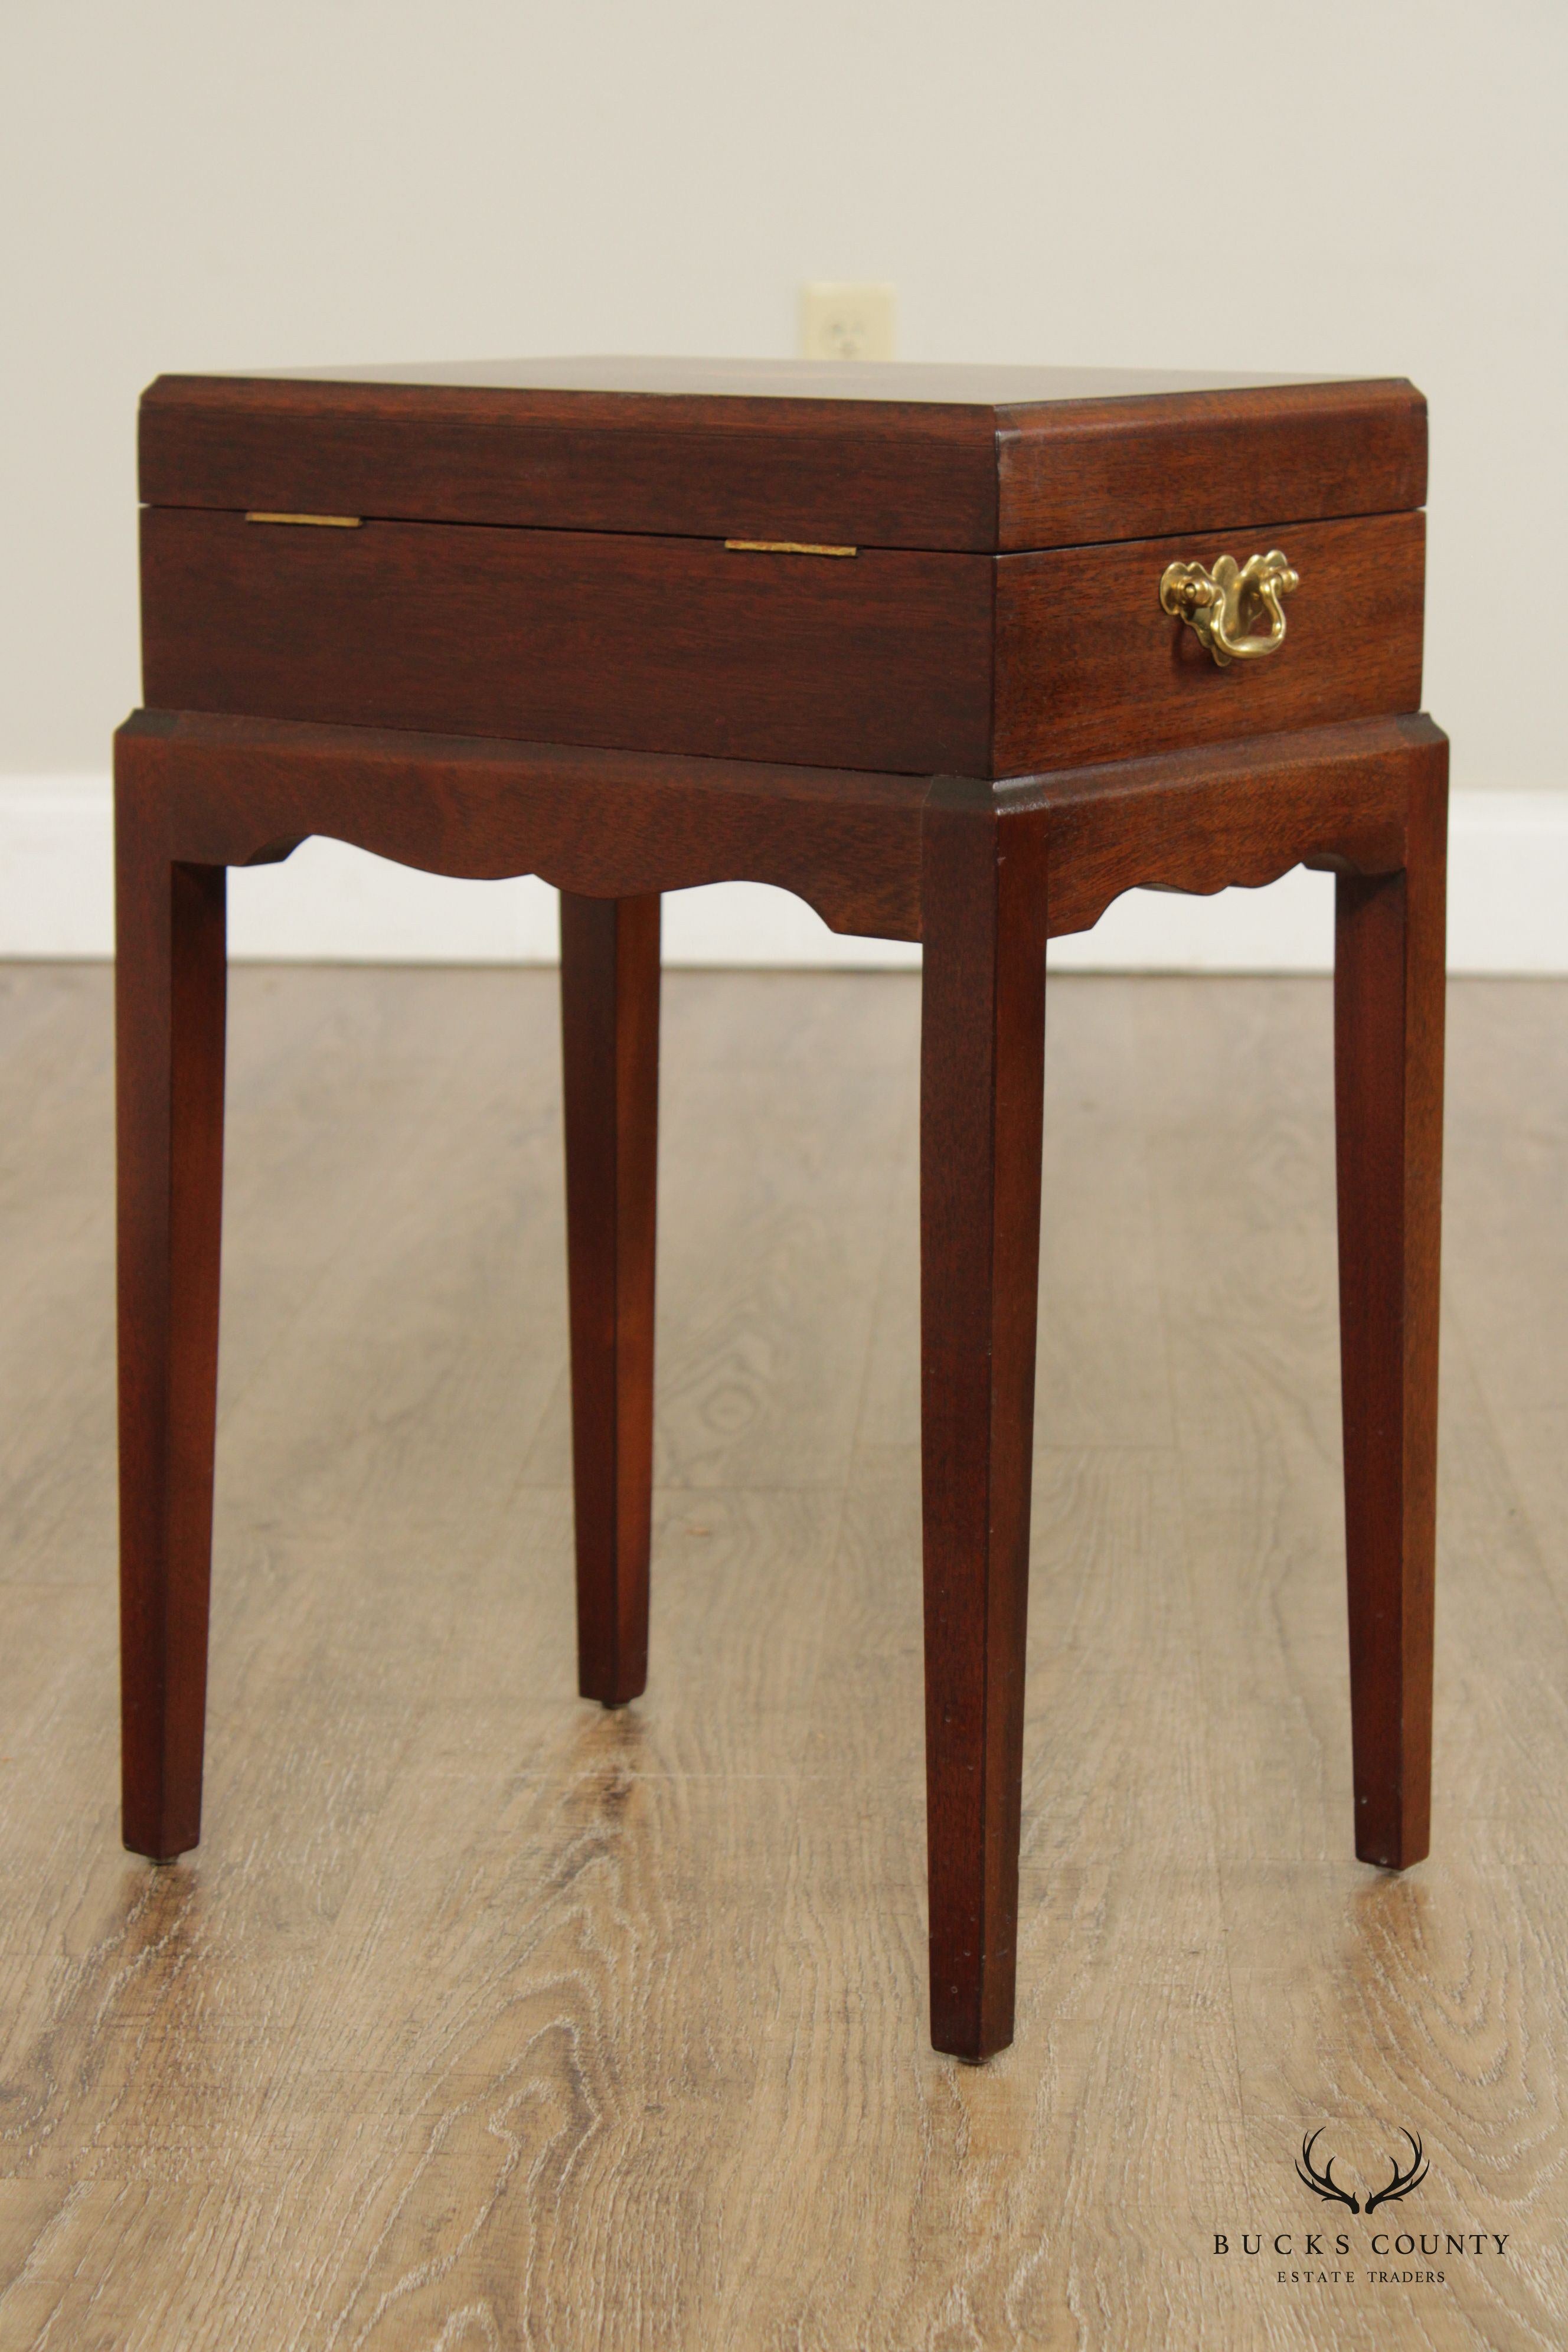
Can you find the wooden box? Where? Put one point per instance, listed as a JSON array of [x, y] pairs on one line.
[[633, 626], [912, 569]]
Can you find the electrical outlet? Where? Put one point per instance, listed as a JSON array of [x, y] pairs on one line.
[[846, 322]]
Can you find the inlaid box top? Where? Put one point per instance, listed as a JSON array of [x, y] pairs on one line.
[[891, 454]]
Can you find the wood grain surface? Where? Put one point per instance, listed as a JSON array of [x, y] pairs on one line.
[[486, 2018], [170, 977], [1076, 471], [1089, 667], [876, 473], [880, 661], [892, 661], [183, 781], [1390, 995], [982, 1071], [609, 1078], [887, 456], [601, 824]]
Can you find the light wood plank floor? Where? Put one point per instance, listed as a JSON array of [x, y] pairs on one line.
[[485, 2018]]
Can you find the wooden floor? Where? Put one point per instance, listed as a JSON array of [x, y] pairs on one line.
[[486, 2018]]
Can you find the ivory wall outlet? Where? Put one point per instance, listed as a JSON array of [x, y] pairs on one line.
[[846, 322]]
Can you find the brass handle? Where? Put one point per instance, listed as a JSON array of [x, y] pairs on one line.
[[1218, 604]]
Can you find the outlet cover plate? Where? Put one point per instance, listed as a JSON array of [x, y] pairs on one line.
[[839, 320]]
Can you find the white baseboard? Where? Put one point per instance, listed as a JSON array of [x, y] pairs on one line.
[[1507, 905]]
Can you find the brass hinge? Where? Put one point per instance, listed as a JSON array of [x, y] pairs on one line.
[[321, 522], [785, 547]]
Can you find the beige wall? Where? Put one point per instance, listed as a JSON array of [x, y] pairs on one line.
[[209, 183]]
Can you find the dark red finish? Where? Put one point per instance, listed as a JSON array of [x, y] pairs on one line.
[[895, 661], [960, 458], [169, 1024], [881, 661], [606, 825], [981, 1089], [1241, 813], [1088, 668], [983, 872], [387, 676], [1389, 986], [1081, 470], [878, 473], [609, 1030]]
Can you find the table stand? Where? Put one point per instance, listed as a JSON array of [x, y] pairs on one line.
[[983, 874]]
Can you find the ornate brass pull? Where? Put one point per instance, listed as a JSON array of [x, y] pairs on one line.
[[1218, 604]]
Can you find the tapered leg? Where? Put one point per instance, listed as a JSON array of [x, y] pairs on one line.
[[1388, 1059], [610, 1020], [982, 1079], [169, 1017]]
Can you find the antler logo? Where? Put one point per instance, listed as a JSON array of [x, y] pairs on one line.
[[1323, 2184], [1402, 2183]]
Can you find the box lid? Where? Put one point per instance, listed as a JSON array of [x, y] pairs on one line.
[[884, 455]]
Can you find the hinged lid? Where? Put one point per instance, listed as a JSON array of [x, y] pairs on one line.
[[890, 454]]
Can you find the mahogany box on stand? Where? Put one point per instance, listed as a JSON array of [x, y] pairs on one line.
[[956, 653]]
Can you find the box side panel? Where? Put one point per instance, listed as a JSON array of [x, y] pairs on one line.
[[864, 473], [1089, 667], [878, 661], [1111, 469]]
